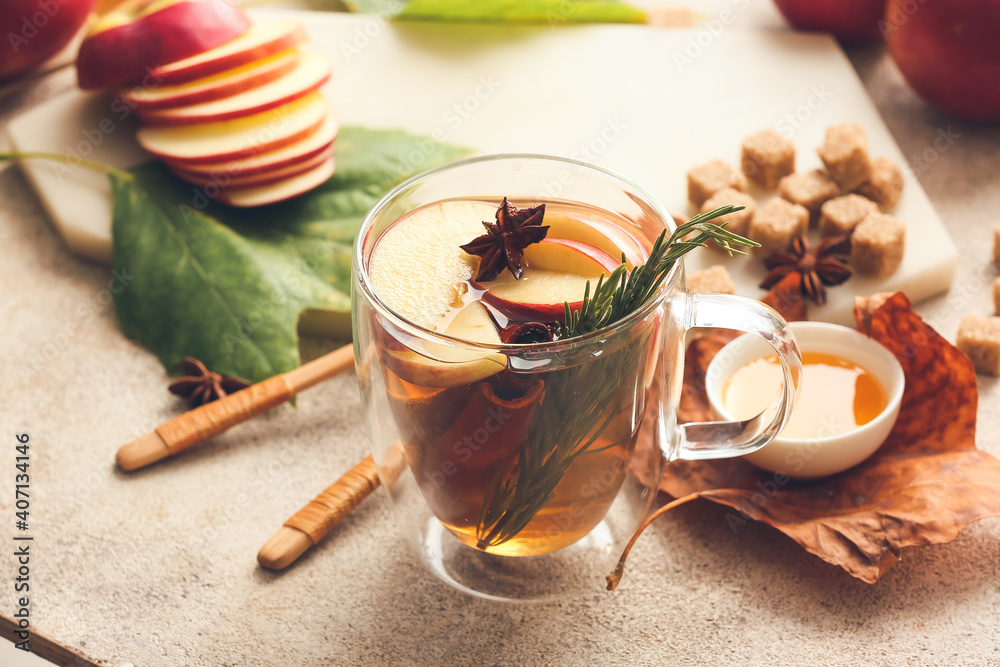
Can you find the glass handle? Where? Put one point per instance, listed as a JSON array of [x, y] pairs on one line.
[[718, 440]]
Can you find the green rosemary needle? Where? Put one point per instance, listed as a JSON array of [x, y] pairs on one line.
[[622, 294]]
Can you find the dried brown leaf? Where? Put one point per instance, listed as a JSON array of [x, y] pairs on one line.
[[923, 486], [786, 298]]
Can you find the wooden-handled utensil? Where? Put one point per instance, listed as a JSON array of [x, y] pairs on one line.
[[173, 437], [315, 521]]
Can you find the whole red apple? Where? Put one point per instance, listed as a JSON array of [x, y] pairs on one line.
[[35, 30], [852, 21], [949, 51]]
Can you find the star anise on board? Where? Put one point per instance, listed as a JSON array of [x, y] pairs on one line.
[[503, 244], [824, 265], [201, 385]]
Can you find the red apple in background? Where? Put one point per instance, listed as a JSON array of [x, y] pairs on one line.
[[127, 43], [949, 51], [853, 21], [35, 30]]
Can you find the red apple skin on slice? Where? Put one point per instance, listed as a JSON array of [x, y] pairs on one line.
[[239, 138], [260, 41], [311, 72], [311, 146], [556, 272], [213, 88], [608, 237], [124, 54], [228, 182], [445, 366], [280, 191]]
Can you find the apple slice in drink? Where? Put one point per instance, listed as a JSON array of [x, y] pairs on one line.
[[440, 365], [414, 267], [310, 72], [260, 41], [608, 237], [556, 272], [273, 193], [217, 87], [304, 149], [417, 261], [239, 138]]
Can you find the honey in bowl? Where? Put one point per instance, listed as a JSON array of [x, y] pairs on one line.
[[838, 395]]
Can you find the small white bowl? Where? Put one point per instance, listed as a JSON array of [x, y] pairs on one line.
[[809, 458]]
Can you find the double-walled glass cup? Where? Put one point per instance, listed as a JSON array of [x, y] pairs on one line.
[[508, 464]]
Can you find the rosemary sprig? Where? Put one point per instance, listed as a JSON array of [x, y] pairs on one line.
[[575, 413], [624, 293], [582, 401]]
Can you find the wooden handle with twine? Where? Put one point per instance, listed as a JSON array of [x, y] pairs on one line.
[[315, 521], [339, 499], [213, 418]]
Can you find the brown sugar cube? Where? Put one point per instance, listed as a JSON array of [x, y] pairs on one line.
[[776, 223], [885, 185], [996, 244], [842, 214], [996, 296], [738, 222], [707, 179], [811, 189], [845, 154], [767, 158], [714, 280], [979, 338], [877, 245]]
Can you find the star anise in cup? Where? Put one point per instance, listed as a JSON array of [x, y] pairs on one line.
[[502, 246], [824, 265], [201, 385]]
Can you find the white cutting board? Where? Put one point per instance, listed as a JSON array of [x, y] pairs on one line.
[[647, 102]]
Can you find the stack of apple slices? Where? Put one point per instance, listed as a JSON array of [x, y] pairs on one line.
[[244, 122], [238, 113]]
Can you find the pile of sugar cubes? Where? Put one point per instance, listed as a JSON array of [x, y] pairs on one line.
[[848, 196], [979, 337]]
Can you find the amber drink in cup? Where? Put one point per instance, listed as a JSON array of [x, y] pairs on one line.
[[508, 330]]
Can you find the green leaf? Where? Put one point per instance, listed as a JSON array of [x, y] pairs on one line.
[[553, 12], [226, 285]]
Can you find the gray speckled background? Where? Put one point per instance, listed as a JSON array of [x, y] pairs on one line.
[[158, 568]]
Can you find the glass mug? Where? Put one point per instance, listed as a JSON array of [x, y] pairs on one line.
[[507, 464]]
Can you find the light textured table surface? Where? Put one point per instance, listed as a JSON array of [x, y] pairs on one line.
[[181, 586]]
